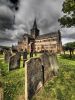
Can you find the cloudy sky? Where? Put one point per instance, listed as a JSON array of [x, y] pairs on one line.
[[17, 17]]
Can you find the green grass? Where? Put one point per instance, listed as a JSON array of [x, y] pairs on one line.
[[3, 65], [61, 87], [13, 84], [13, 81]]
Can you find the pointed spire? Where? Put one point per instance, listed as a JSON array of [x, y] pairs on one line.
[[34, 30], [35, 24]]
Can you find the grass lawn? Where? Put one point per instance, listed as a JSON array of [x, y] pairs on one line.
[[61, 87], [13, 82]]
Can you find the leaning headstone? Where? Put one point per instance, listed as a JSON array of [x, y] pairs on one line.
[[7, 55], [15, 62], [33, 77], [46, 65]]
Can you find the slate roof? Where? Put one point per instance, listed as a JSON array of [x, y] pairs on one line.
[[44, 36]]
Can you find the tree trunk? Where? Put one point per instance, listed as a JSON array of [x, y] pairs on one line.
[[64, 52], [70, 54]]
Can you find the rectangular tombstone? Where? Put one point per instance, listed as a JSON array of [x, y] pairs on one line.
[[14, 62], [1, 52], [7, 56], [47, 66], [33, 77], [50, 64], [54, 64]]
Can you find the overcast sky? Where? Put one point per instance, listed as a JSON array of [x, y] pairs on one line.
[[24, 12]]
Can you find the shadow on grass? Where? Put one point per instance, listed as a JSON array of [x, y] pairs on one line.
[[67, 56]]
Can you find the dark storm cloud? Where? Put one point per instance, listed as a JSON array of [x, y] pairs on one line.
[[6, 19], [7, 42], [68, 33], [6, 15], [46, 13], [15, 4], [14, 1]]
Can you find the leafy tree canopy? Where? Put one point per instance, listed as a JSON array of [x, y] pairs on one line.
[[69, 10], [70, 45]]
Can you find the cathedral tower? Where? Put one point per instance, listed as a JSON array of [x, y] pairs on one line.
[[34, 30]]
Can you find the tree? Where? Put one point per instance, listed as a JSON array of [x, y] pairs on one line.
[[68, 19], [69, 47]]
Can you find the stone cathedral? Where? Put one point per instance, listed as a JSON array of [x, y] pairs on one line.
[[36, 42]]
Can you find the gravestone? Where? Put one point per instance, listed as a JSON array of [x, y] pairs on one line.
[[33, 77], [46, 65], [7, 55], [54, 64], [50, 64], [15, 61], [24, 57], [1, 51]]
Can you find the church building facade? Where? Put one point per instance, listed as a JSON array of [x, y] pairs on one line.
[[38, 43]]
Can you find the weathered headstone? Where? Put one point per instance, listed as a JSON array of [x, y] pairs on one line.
[[15, 61], [46, 66], [24, 57], [33, 77], [50, 63], [54, 64], [7, 55], [1, 51]]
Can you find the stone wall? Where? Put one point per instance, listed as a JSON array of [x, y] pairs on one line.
[[37, 72]]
